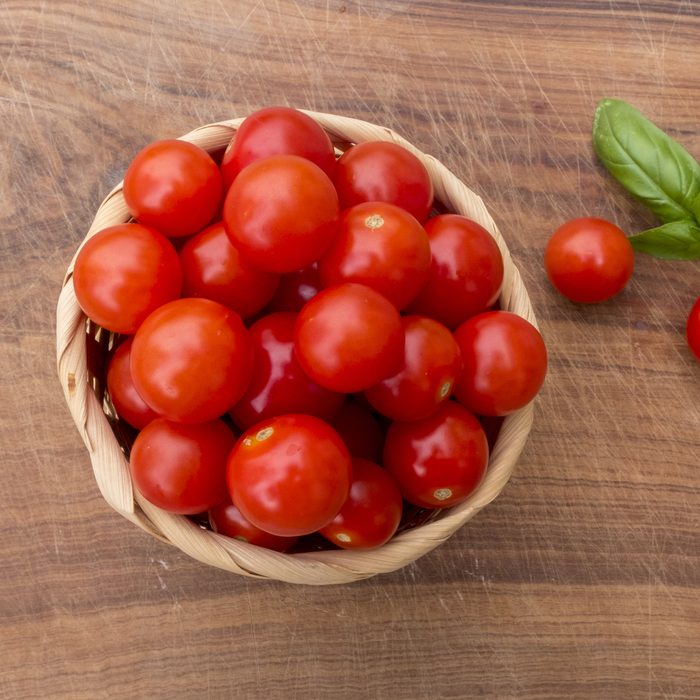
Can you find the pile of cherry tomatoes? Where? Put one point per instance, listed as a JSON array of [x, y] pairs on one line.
[[305, 345]]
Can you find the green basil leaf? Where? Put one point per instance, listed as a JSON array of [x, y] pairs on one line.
[[677, 240], [646, 161], [696, 208]]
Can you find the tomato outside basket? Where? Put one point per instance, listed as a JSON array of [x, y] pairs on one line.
[[82, 349]]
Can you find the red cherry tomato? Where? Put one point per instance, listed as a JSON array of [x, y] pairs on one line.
[[214, 269], [692, 332], [348, 338], [173, 186], [432, 365], [191, 360], [295, 289], [289, 475], [466, 271], [282, 213], [182, 468], [379, 171], [440, 460], [360, 431], [589, 260], [382, 246], [278, 383], [227, 520], [505, 362], [125, 399], [123, 273], [372, 512], [275, 131]]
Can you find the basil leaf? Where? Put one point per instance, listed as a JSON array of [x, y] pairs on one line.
[[646, 161], [677, 240]]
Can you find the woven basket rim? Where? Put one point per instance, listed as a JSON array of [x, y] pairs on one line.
[[110, 466]]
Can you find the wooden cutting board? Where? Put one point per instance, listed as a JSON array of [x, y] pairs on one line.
[[581, 580]]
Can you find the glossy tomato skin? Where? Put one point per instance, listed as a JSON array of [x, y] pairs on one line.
[[214, 269], [505, 362], [466, 271], [589, 260], [432, 365], [275, 131], [278, 384], [348, 338], [372, 512], [123, 273], [182, 468], [295, 289], [281, 213], [125, 399], [173, 186], [227, 520], [692, 330], [360, 431], [440, 460], [382, 246], [379, 171], [289, 475], [191, 360]]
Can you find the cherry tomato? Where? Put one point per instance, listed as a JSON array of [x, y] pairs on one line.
[[125, 399], [589, 260], [289, 475], [214, 269], [348, 338], [123, 273], [275, 131], [182, 468], [440, 460], [692, 332], [191, 360], [228, 520], [382, 246], [372, 512], [282, 213], [379, 171], [173, 186], [432, 365], [466, 271], [505, 362], [278, 383], [361, 433], [295, 289]]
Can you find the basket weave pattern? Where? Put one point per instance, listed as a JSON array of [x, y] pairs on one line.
[[81, 387]]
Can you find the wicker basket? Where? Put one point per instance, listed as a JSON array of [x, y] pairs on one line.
[[81, 360]]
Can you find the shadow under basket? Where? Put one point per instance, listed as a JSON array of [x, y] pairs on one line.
[[82, 351]]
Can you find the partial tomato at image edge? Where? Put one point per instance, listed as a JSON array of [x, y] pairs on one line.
[[692, 329]]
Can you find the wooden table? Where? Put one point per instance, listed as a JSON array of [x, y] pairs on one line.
[[582, 579]]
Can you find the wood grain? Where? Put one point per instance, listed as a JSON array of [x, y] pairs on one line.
[[582, 579]]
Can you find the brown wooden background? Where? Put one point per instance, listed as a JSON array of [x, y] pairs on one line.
[[582, 579]]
